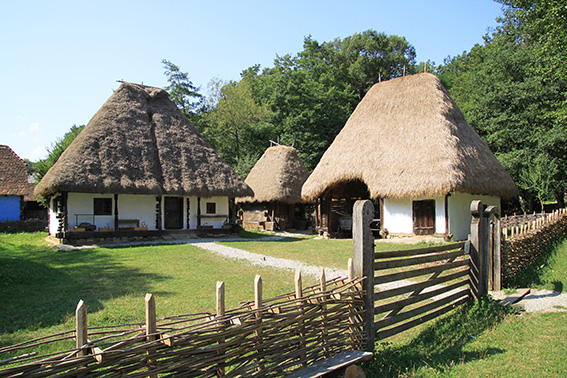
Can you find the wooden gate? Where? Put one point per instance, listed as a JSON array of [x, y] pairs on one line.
[[417, 285], [408, 287]]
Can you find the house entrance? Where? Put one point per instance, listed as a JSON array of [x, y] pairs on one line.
[[424, 217], [173, 213]]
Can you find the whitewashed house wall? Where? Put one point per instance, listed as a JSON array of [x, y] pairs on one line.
[[398, 213]]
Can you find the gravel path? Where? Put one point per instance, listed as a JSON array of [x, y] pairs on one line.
[[544, 300]]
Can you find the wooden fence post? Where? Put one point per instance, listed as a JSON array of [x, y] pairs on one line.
[[220, 313], [299, 295], [492, 214], [257, 306], [151, 327], [363, 262], [479, 259], [81, 330], [323, 288]]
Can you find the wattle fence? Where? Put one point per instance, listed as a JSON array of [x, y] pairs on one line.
[[519, 226], [264, 337]]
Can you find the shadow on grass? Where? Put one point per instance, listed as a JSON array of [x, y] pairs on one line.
[[440, 345], [40, 286]]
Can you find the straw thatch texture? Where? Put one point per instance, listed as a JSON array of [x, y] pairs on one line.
[[408, 138], [277, 176], [140, 143]]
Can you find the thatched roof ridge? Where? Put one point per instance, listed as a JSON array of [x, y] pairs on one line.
[[278, 176], [14, 175], [139, 142], [408, 138]]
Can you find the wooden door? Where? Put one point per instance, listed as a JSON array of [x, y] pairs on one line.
[[173, 213], [424, 217]]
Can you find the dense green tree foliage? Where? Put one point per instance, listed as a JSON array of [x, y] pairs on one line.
[[236, 125], [509, 91], [181, 90], [313, 93]]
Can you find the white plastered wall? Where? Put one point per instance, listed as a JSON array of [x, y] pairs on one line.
[[460, 214], [216, 220], [138, 206], [398, 214]]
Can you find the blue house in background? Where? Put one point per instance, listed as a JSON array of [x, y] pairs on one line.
[[15, 191]]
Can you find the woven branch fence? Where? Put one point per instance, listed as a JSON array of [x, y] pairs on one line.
[[519, 226], [260, 338]]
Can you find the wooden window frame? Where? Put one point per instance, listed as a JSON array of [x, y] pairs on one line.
[[102, 206]]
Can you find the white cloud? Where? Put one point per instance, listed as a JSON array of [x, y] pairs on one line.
[[22, 134], [34, 127]]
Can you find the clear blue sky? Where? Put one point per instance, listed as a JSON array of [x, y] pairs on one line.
[[60, 59]]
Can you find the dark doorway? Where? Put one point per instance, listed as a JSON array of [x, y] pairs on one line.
[[173, 213], [424, 217]]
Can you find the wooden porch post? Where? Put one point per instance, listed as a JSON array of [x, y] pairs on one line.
[[363, 262], [198, 212], [116, 213]]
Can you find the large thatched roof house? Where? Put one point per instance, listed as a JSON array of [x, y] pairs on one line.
[[139, 164], [17, 201], [276, 179], [408, 146]]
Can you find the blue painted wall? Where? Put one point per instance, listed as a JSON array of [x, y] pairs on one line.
[[9, 208]]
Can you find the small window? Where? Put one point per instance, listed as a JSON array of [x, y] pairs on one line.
[[103, 206], [211, 208]]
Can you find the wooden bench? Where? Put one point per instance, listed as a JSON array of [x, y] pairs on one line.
[[330, 364], [128, 224]]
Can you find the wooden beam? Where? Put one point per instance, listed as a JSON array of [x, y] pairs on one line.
[[116, 212]]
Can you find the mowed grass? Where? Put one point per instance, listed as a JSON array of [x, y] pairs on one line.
[[332, 253], [552, 274], [41, 286]]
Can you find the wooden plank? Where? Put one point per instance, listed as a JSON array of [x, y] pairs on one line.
[[418, 272], [418, 298], [420, 310], [381, 335], [328, 365], [419, 286], [389, 264], [418, 251]]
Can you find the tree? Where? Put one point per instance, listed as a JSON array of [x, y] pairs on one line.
[[56, 149], [237, 126], [313, 93], [514, 105], [181, 90]]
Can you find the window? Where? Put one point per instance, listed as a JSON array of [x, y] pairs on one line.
[[102, 206], [211, 208]]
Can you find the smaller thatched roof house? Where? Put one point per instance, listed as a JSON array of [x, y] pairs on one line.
[[408, 146], [276, 179], [139, 164], [16, 193]]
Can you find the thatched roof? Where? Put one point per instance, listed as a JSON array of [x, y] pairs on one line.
[[139, 142], [408, 138], [14, 175], [277, 176]]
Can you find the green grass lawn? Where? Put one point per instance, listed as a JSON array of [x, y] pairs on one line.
[[332, 253], [41, 286]]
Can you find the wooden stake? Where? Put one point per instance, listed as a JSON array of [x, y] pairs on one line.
[[151, 327], [350, 270], [323, 287], [220, 313], [299, 295], [257, 305], [81, 332]]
